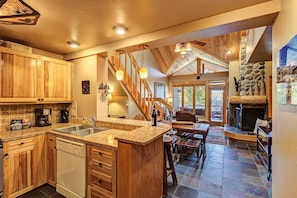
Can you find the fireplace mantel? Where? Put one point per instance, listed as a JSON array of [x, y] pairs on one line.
[[253, 100]]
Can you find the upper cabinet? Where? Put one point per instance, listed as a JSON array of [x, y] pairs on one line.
[[56, 77], [30, 78]]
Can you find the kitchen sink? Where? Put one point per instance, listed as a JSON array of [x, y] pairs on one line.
[[81, 130]]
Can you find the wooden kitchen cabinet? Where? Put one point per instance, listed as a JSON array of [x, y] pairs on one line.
[[23, 166], [32, 78], [101, 173], [18, 74], [56, 81], [51, 162]]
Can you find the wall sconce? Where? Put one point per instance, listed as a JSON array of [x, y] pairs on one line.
[[169, 100], [105, 89]]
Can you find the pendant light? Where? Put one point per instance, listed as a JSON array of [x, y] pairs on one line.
[[143, 72], [120, 72]]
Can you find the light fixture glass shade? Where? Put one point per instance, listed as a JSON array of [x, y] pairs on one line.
[[143, 73], [188, 46], [177, 48], [120, 74], [120, 29], [183, 51], [17, 12], [73, 44]]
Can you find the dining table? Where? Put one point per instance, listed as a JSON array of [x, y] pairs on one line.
[[194, 131]]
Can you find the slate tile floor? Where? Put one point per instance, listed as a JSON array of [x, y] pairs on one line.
[[45, 191], [230, 171]]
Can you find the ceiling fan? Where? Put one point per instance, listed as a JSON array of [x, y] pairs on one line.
[[195, 42]]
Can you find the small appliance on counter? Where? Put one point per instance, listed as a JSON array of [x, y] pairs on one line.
[[64, 116], [42, 117]]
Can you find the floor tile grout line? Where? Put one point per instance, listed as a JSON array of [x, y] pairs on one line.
[[258, 170]]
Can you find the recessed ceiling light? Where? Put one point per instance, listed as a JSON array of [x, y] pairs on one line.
[[120, 29], [229, 52], [73, 44]]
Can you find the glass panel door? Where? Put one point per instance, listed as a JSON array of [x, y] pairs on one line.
[[217, 106], [188, 98]]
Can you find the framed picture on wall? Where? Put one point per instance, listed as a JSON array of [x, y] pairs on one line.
[[85, 86]]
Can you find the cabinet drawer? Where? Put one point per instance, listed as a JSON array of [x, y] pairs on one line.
[[18, 144], [101, 179], [101, 167], [97, 192], [101, 155]]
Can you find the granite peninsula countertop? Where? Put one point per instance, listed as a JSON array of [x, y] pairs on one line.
[[124, 130]]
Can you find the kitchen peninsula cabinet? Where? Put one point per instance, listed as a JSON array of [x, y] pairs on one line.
[[101, 173], [51, 162], [31, 78], [24, 165]]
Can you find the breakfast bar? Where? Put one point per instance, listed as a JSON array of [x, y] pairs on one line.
[[126, 160]]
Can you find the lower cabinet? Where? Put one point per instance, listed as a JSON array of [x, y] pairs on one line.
[[101, 173], [51, 161], [24, 165]]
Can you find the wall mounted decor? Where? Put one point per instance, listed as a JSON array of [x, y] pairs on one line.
[[287, 73], [85, 87]]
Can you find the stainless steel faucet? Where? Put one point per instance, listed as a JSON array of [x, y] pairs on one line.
[[92, 121]]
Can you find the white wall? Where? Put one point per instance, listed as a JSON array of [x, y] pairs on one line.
[[95, 69], [284, 117], [84, 70], [234, 67]]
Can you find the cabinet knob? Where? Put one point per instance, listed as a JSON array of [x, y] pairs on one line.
[[21, 143], [100, 164], [100, 154], [99, 181], [5, 156]]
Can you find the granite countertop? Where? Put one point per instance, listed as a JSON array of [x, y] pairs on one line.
[[124, 130]]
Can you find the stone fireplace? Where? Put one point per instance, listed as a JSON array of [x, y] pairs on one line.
[[244, 111]]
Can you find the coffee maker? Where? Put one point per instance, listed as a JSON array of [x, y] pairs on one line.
[[64, 114], [42, 117]]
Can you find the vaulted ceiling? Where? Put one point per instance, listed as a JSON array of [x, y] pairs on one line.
[[213, 50]]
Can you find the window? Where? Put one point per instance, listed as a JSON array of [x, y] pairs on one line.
[[189, 98], [200, 100]]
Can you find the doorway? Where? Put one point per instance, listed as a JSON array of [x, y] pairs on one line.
[[217, 103]]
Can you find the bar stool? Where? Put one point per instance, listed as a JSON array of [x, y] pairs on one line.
[[167, 140]]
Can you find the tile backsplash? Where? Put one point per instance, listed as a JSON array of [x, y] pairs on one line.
[[22, 111]]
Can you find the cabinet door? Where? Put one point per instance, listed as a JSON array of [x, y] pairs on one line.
[[18, 174], [18, 74], [57, 81], [51, 160], [39, 161]]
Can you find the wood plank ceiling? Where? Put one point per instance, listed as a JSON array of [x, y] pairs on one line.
[[171, 62]]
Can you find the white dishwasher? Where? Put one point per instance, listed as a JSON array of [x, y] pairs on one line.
[[71, 168]]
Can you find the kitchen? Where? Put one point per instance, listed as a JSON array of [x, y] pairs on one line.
[[37, 155], [73, 108]]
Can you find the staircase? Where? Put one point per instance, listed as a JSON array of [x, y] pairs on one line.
[[137, 87]]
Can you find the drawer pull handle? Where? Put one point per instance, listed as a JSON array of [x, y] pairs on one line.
[[100, 181], [21, 143], [51, 139], [100, 164], [100, 153]]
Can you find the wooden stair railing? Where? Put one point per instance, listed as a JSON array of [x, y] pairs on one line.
[[137, 87], [160, 105]]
